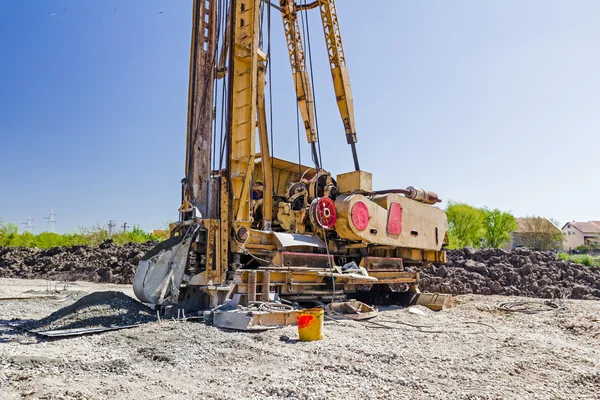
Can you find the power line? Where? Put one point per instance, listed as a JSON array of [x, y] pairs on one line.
[[28, 224], [111, 226], [51, 221]]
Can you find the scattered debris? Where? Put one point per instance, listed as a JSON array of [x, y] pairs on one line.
[[417, 311], [258, 316]]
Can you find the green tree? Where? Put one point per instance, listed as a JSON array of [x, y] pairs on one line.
[[465, 225], [10, 234], [498, 227]]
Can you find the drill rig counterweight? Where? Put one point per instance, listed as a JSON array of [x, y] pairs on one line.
[[269, 226]]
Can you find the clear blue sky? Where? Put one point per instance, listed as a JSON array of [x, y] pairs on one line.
[[492, 103]]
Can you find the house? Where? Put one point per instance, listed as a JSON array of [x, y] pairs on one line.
[[536, 233], [581, 234]]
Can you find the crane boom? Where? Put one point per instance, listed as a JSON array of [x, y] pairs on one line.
[[337, 61], [302, 85], [339, 71], [200, 105]]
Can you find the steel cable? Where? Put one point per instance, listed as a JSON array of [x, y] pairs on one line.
[[531, 307]]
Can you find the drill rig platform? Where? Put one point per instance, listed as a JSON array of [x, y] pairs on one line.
[[306, 236]]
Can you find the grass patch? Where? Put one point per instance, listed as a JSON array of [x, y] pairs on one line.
[[583, 259]]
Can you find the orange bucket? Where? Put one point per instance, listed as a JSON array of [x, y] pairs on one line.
[[310, 324]]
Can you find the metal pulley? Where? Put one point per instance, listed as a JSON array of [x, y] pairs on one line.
[[323, 213]]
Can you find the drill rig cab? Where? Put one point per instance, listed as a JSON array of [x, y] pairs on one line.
[[310, 236]]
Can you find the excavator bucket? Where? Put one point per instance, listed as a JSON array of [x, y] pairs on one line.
[[433, 301], [158, 276]]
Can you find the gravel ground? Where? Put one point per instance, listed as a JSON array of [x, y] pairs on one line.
[[99, 309], [470, 352]]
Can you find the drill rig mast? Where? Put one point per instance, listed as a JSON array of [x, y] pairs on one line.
[[309, 237]]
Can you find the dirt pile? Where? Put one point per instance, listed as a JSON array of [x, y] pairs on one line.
[[104, 263], [516, 273], [98, 309]]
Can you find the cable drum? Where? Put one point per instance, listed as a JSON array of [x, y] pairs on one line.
[[323, 213]]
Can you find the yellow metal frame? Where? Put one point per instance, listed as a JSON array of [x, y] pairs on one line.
[[243, 108]]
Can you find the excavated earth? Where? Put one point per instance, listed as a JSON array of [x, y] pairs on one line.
[[492, 271], [516, 273], [104, 263]]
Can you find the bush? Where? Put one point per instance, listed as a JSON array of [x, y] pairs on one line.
[[586, 260], [583, 259], [10, 236], [583, 249]]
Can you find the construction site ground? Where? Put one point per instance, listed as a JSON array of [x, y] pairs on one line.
[[473, 351]]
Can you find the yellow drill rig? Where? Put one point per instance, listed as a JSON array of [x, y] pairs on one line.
[[258, 227]]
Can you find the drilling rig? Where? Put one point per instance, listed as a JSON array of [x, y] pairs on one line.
[[255, 227]]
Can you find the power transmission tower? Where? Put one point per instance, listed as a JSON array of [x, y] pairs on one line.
[[51, 221], [111, 226], [124, 226], [28, 224]]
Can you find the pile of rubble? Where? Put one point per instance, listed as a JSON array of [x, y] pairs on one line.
[[99, 309], [517, 273], [104, 263]]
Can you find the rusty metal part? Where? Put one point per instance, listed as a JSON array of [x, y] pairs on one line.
[[266, 282], [433, 301], [383, 264], [356, 310], [259, 316], [414, 193], [397, 191], [251, 286], [422, 195], [159, 274], [295, 259], [200, 103]]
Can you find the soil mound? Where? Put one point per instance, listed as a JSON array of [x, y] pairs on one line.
[[99, 309], [104, 263], [516, 273]]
